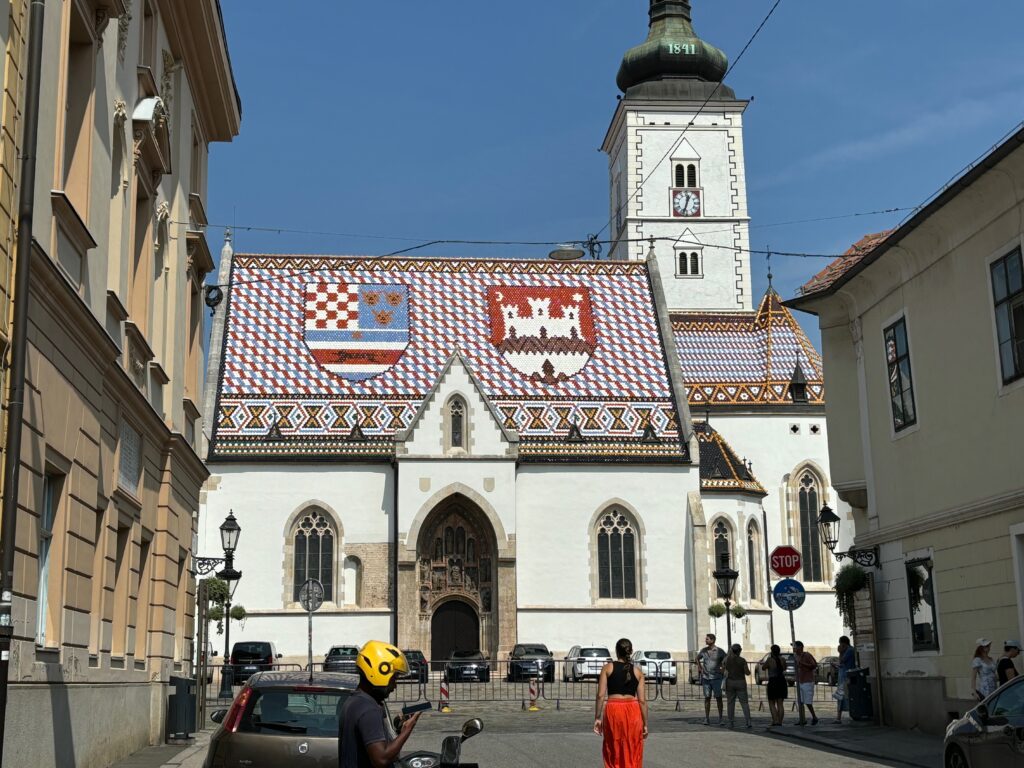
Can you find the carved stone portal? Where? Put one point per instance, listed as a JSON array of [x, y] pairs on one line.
[[458, 561]]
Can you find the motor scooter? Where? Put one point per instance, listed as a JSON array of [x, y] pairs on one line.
[[451, 750]]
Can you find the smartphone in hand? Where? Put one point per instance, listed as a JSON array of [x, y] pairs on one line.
[[412, 709]]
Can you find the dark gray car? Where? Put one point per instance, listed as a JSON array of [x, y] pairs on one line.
[[992, 734]]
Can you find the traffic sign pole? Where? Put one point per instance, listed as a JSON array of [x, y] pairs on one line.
[[311, 597]]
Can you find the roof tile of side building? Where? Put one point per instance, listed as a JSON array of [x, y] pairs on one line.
[[330, 357], [745, 358], [720, 468], [836, 269]]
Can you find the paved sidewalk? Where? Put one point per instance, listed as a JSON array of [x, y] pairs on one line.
[[167, 756], [870, 740]]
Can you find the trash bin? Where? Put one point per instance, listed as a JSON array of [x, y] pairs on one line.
[[181, 708], [859, 691]]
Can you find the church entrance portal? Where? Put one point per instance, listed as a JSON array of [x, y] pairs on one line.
[[454, 627]]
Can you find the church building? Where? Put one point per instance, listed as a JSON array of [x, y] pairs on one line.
[[471, 453]]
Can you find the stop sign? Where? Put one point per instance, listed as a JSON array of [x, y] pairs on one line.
[[784, 560]]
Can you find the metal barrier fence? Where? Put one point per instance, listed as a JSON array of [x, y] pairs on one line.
[[553, 683]]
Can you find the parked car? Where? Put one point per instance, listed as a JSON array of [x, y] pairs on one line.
[[286, 718], [529, 660], [419, 670], [585, 661], [341, 658], [251, 656], [657, 666], [467, 666], [761, 675], [826, 673], [991, 734]]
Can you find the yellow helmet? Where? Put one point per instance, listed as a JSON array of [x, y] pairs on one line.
[[380, 661]]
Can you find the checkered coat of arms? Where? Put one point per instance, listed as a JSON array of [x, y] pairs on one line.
[[357, 331]]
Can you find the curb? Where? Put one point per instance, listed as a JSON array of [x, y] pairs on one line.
[[840, 746]]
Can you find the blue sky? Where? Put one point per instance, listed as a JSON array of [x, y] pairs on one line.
[[414, 121]]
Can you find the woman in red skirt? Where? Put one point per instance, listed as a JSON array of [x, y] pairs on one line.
[[620, 713]]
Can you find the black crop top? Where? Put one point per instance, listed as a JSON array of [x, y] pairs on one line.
[[623, 680]]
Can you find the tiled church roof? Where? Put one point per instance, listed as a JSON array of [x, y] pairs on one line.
[[745, 358], [720, 468], [836, 269], [330, 357]]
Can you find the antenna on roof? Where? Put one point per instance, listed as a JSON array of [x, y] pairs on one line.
[[770, 275]]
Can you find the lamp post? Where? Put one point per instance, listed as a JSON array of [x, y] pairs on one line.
[[828, 527], [726, 578], [230, 530]]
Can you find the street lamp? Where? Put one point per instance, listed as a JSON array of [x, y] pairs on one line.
[[828, 527], [726, 578], [230, 530]]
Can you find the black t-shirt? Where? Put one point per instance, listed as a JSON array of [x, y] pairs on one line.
[[1005, 665], [362, 723]]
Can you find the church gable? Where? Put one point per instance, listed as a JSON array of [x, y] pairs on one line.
[[335, 356], [456, 420]]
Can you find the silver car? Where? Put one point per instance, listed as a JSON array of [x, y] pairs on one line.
[[992, 734]]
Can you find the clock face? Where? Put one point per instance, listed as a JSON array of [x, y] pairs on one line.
[[685, 202]]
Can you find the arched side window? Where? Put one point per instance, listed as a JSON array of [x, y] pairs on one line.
[[723, 547], [617, 556], [680, 175], [753, 563], [457, 424], [694, 263], [809, 500], [691, 175], [683, 267], [314, 540], [353, 570]]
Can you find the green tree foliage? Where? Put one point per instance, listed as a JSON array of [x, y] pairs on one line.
[[716, 610], [850, 580]]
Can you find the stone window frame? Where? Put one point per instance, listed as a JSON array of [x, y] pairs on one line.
[[793, 525], [640, 552], [358, 586], [467, 426], [730, 528], [755, 567], [57, 472], [690, 174], [288, 553]]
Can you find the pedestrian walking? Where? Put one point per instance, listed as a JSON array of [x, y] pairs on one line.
[[620, 711], [806, 665], [709, 664], [983, 669], [778, 688], [736, 672], [846, 662], [1006, 669]]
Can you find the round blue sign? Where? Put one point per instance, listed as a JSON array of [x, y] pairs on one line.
[[789, 594]]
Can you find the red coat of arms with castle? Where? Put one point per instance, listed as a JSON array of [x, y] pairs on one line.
[[546, 333]]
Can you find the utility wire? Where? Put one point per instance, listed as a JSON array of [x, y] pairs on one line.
[[693, 120]]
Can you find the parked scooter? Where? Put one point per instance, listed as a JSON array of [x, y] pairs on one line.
[[451, 750]]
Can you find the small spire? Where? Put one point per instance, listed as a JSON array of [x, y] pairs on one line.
[[770, 275], [650, 251]]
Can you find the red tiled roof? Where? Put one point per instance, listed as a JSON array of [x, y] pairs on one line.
[[830, 274]]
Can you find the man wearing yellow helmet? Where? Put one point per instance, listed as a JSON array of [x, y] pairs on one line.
[[363, 738]]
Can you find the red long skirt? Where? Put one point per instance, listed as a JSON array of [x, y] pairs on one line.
[[623, 734]]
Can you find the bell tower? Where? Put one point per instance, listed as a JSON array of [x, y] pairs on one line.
[[676, 169]]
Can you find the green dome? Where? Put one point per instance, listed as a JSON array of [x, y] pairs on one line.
[[673, 62]]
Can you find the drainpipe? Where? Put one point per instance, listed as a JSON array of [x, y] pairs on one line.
[[394, 560], [768, 575], [19, 343]]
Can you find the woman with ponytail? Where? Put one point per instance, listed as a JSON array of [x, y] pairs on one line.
[[620, 712]]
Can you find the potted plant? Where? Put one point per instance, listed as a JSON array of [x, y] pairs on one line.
[[716, 611], [850, 580]]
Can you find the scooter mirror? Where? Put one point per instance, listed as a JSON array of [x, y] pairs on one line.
[[471, 728]]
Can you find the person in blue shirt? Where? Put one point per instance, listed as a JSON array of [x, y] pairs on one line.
[[846, 662]]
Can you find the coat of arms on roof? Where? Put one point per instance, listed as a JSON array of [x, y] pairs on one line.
[[357, 331], [546, 333]]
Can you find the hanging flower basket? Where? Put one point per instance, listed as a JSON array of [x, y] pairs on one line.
[[738, 611], [850, 580], [716, 610]]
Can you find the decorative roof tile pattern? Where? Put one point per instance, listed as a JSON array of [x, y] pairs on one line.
[[835, 270], [316, 346], [720, 468], [745, 358]]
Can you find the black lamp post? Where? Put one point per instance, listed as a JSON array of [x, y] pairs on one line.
[[726, 578], [828, 527], [230, 530]]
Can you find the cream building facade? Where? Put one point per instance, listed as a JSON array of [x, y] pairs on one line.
[[132, 94], [923, 336]]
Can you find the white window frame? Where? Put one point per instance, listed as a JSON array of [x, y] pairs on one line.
[[1001, 389], [688, 251], [53, 486]]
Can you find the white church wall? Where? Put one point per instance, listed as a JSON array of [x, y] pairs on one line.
[[557, 512], [776, 451]]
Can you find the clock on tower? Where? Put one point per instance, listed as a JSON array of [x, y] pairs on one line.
[[686, 203]]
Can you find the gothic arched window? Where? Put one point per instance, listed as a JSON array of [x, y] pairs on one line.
[[314, 539], [753, 552], [457, 423], [723, 547], [809, 500], [616, 556]]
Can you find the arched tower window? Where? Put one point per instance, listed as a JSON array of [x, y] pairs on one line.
[[691, 175], [617, 548], [694, 263], [723, 546], [314, 539], [457, 423], [680, 175], [753, 563]]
